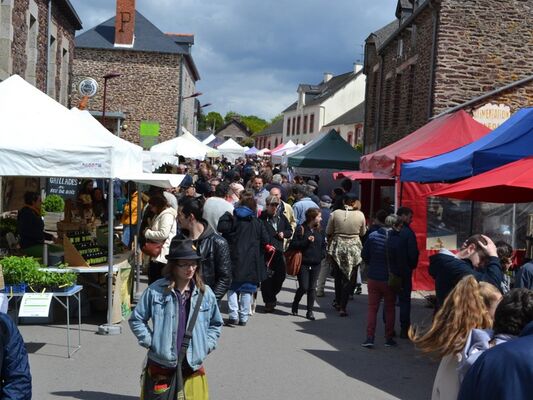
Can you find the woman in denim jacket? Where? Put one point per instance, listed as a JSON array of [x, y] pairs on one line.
[[169, 303]]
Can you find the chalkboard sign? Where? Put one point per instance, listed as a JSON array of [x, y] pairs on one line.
[[64, 187]]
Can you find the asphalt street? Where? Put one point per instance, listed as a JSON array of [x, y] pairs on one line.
[[276, 356]]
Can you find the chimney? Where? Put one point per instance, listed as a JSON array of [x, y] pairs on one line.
[[125, 23], [327, 76], [357, 67]]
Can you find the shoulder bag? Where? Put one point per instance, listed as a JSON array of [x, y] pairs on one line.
[[293, 259], [176, 386]]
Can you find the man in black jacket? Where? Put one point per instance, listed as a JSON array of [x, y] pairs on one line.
[[213, 248], [407, 262], [278, 228], [478, 256]]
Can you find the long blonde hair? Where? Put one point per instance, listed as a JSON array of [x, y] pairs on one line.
[[466, 308]]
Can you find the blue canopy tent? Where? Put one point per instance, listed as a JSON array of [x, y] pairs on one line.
[[510, 142]]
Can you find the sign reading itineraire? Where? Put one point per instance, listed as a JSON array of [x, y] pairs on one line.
[[149, 134], [64, 187], [35, 305], [492, 115]]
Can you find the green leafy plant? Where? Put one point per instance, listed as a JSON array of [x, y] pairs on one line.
[[54, 203], [8, 225], [28, 270]]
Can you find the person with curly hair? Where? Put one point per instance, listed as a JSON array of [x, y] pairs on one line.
[[471, 304]]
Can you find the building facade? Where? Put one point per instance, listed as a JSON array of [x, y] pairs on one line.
[[439, 54], [270, 137], [25, 50], [157, 76], [349, 125], [235, 130], [318, 105]]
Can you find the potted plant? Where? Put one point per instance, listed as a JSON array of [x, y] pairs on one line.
[[54, 207]]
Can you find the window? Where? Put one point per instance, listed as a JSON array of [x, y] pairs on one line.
[[413, 38], [397, 100], [410, 95], [311, 123], [350, 138], [400, 48], [293, 125], [299, 120], [52, 67], [288, 126], [31, 50], [305, 123], [276, 143], [226, 137], [239, 139], [269, 144], [64, 74]]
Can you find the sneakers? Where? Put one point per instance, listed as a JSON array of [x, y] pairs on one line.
[[391, 343], [310, 316], [358, 290], [269, 307], [231, 322], [369, 343], [242, 323]]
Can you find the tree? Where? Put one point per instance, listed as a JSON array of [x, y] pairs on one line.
[[254, 123], [214, 121], [276, 118], [231, 115]]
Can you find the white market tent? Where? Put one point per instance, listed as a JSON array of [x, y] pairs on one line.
[[41, 138], [152, 161], [231, 150], [277, 157], [262, 152], [209, 139], [186, 146]]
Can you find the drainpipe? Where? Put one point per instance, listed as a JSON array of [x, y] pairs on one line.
[[433, 59], [180, 98], [49, 33]]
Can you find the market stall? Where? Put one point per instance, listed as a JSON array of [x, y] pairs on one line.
[[231, 150]]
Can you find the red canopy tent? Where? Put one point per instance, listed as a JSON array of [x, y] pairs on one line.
[[512, 183], [279, 146], [439, 136]]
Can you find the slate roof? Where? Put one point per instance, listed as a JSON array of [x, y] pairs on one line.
[[239, 124], [324, 90], [382, 35], [354, 116], [272, 129], [148, 38]]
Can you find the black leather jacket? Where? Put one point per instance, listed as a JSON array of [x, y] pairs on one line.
[[216, 260]]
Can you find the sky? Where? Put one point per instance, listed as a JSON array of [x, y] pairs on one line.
[[251, 54]]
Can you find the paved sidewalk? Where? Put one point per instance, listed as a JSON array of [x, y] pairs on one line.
[[276, 356]]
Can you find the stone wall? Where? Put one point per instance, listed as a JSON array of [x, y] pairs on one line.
[[483, 45], [400, 83], [147, 90], [65, 31]]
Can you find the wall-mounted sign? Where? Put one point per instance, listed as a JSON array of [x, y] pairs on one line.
[[64, 187], [149, 134], [492, 115], [88, 87]]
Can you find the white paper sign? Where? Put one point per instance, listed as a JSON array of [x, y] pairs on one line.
[[35, 305]]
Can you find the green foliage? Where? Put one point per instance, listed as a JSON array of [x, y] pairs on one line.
[[254, 123], [27, 270], [359, 147], [213, 121], [276, 118], [8, 225], [53, 203], [248, 142], [230, 115]]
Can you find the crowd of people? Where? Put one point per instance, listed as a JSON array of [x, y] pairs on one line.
[[225, 232]]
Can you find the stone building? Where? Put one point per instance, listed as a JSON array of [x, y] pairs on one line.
[[319, 104], [270, 137], [349, 125], [25, 26], [235, 130], [439, 55], [156, 71]]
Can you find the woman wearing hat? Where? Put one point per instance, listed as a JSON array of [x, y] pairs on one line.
[[185, 327], [344, 230]]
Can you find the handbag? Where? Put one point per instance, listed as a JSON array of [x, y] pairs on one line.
[[293, 259], [395, 281], [176, 387], [152, 249]]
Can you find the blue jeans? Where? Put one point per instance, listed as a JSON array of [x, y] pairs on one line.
[[239, 307]]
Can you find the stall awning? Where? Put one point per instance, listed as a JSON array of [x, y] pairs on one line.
[[439, 136], [329, 151], [509, 142], [360, 176], [512, 183]]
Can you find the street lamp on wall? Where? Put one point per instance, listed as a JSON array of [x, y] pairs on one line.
[[180, 109], [107, 77]]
